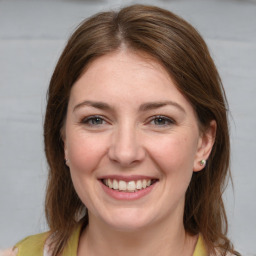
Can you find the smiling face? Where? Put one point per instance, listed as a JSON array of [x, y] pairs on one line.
[[132, 142]]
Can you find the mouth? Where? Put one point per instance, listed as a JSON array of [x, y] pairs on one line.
[[130, 186]]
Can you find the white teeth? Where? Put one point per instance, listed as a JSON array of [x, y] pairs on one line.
[[115, 184], [130, 186], [110, 184], [122, 185], [139, 184]]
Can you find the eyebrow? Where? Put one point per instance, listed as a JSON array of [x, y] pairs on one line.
[[95, 104], [144, 107], [156, 105]]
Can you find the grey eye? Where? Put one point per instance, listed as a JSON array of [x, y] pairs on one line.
[[161, 121], [93, 120], [96, 121]]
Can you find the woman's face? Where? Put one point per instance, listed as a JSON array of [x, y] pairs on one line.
[[132, 142]]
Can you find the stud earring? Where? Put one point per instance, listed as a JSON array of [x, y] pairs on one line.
[[202, 162]]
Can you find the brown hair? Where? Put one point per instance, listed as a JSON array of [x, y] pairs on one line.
[[185, 56]]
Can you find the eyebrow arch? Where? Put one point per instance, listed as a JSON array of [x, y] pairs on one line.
[[95, 104], [155, 105]]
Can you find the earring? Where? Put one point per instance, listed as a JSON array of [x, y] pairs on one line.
[[66, 161], [202, 162]]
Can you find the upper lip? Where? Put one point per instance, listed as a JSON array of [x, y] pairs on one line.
[[127, 178]]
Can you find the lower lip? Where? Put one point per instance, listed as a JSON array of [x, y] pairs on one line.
[[116, 194]]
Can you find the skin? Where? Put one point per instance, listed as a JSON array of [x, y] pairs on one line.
[[127, 92]]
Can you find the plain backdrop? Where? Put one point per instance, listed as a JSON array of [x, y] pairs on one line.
[[32, 36]]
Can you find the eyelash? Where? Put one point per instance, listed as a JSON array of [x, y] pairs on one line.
[[163, 118], [96, 118], [91, 119]]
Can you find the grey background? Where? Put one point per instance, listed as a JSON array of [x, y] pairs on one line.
[[32, 36]]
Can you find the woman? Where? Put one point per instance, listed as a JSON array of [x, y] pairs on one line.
[[137, 141]]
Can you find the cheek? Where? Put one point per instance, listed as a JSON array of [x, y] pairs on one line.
[[85, 152], [174, 154]]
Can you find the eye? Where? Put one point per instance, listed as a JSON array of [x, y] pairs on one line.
[[161, 121], [93, 120]]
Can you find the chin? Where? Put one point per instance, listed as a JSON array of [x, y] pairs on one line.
[[128, 226], [128, 220]]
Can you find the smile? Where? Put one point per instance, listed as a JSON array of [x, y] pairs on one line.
[[130, 186]]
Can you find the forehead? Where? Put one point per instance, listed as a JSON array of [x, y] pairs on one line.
[[127, 69], [126, 77]]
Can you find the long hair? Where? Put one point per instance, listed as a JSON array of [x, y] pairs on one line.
[[183, 53]]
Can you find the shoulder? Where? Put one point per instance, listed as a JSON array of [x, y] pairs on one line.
[[226, 254], [220, 252], [31, 245], [201, 250], [8, 252]]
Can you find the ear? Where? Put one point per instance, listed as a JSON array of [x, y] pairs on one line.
[[205, 144]]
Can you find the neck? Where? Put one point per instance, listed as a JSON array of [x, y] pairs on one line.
[[160, 239]]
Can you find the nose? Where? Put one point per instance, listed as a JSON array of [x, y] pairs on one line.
[[126, 148]]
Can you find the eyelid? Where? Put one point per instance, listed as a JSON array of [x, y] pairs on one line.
[[170, 121], [86, 119]]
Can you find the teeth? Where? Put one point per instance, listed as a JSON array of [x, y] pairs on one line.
[[110, 184], [115, 184], [130, 186], [139, 184], [122, 185]]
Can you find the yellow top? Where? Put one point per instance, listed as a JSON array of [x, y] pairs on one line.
[[34, 245], [200, 249]]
